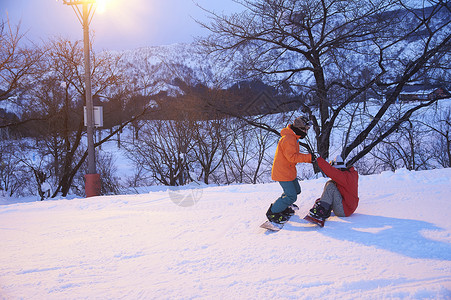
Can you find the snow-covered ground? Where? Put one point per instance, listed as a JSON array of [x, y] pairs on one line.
[[206, 243]]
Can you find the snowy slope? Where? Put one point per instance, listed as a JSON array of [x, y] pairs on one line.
[[209, 245]]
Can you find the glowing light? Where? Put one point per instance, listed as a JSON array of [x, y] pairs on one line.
[[101, 5]]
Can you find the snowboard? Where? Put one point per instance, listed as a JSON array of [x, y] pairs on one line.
[[272, 226], [314, 221]]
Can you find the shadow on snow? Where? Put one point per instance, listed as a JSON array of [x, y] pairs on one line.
[[403, 236]]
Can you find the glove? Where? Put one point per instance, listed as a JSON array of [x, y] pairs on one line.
[[313, 157]]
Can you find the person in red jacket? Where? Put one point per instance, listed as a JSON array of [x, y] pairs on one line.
[[340, 194], [284, 169]]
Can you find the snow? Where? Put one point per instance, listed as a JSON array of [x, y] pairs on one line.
[[206, 243]]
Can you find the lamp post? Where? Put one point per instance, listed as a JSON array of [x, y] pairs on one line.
[[92, 185]]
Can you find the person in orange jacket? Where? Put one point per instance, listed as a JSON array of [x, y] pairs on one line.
[[284, 169], [340, 194]]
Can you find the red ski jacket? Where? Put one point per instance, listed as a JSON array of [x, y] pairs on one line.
[[347, 183]]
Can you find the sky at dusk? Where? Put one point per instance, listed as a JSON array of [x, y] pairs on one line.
[[120, 25]]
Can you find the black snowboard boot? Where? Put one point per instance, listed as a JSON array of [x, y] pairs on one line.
[[320, 211], [288, 211], [278, 218]]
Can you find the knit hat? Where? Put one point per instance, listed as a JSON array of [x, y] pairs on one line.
[[302, 123], [338, 162]]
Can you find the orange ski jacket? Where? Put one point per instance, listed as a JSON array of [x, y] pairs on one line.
[[287, 156]]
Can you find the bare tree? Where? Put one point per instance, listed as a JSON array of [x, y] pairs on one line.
[[246, 148], [56, 94], [262, 160], [406, 148], [17, 62], [12, 175], [238, 155], [440, 133], [162, 150], [209, 136], [335, 52]]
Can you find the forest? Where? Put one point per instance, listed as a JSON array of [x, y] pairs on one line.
[[211, 111]]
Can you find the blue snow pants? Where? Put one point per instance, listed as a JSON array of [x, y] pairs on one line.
[[291, 190]]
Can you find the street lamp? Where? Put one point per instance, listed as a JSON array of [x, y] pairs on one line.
[[92, 185]]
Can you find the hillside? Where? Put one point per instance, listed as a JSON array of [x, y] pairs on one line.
[[205, 243]]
